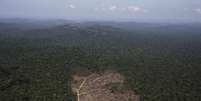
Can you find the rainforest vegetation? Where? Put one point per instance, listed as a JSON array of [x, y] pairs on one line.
[[161, 62]]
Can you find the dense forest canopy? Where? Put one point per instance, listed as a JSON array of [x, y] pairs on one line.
[[161, 62]]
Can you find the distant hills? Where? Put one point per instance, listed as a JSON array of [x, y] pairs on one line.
[[19, 23]]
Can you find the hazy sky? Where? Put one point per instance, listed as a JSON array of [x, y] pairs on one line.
[[120, 10]]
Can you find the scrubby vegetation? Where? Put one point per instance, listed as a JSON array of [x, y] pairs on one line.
[[159, 63]]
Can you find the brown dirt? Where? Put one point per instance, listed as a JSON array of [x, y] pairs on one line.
[[94, 87]]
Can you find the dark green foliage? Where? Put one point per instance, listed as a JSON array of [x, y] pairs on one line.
[[160, 65]]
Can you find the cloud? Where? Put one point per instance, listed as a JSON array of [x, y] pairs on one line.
[[71, 6], [136, 9], [121, 8], [126, 8], [197, 10], [97, 9], [113, 7]]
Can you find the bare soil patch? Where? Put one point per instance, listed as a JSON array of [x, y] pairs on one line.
[[107, 86]]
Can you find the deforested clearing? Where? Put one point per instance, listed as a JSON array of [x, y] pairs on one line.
[[107, 86]]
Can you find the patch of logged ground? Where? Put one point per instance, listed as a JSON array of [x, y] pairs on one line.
[[107, 86]]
